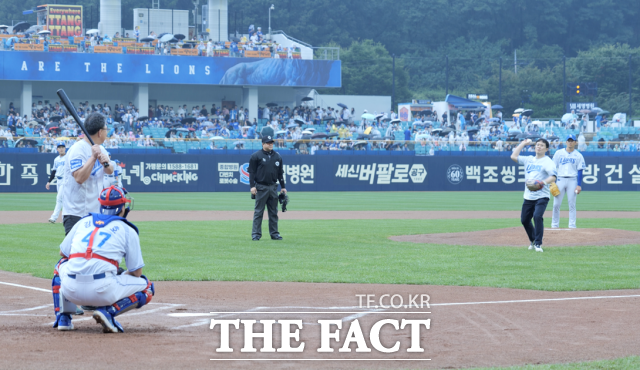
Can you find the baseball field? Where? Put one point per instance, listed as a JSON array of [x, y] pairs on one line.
[[493, 303]]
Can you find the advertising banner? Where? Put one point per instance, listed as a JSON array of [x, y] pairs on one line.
[[221, 53], [64, 20], [180, 51], [28, 47], [24, 172], [70, 48], [166, 69], [257, 54], [140, 50], [123, 40], [580, 106], [107, 49], [56, 48]]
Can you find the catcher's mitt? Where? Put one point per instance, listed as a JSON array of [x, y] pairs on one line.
[[284, 200], [553, 188], [534, 185]]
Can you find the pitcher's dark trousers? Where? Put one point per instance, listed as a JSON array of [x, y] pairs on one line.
[[267, 195], [534, 209]]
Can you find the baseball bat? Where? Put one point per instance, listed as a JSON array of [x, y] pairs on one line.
[[72, 110]]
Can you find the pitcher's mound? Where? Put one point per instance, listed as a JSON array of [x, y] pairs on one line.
[[517, 237]]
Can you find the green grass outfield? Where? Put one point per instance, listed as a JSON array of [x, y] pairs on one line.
[[625, 363], [352, 251], [347, 251], [340, 201]]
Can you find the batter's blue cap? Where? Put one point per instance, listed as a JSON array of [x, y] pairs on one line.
[[572, 137], [60, 143]]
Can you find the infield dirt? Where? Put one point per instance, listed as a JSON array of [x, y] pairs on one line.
[[470, 326]]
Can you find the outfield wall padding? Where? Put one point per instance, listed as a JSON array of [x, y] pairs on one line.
[[24, 172]]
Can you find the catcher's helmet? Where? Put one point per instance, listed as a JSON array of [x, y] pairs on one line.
[[113, 199]]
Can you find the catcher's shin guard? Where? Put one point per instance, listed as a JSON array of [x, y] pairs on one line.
[[55, 289], [136, 300]]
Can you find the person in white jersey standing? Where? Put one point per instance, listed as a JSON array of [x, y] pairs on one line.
[[57, 173], [570, 164]]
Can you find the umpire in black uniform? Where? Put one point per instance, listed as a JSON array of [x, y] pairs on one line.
[[265, 170]]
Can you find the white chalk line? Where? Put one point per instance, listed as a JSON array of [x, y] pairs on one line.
[[538, 300], [170, 305], [361, 314], [146, 312], [27, 309], [27, 287]]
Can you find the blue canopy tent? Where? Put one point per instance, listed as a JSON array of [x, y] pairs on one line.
[[464, 104]]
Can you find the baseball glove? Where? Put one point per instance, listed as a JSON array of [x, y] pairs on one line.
[[534, 185], [553, 188]]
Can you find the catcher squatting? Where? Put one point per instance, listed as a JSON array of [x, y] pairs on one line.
[[88, 272]]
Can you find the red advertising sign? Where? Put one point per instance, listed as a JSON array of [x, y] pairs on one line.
[[64, 20]]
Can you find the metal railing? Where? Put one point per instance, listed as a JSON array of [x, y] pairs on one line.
[[217, 145]]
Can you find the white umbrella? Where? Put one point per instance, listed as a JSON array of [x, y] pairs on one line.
[[92, 31], [44, 32], [307, 132], [217, 138], [566, 118], [519, 110], [368, 116], [3, 26], [397, 120], [166, 38]]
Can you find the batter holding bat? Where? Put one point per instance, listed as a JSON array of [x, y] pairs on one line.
[[85, 170], [540, 171], [87, 163]]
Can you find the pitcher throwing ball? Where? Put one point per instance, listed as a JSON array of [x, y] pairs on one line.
[[87, 272], [540, 171], [570, 164]]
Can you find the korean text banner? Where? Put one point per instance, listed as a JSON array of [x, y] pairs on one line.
[[84, 67], [23, 172]]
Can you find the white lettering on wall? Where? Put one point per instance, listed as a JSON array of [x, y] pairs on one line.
[[192, 70], [207, 70], [147, 68], [57, 66], [119, 67], [24, 66], [87, 64], [176, 69], [103, 67], [40, 66]]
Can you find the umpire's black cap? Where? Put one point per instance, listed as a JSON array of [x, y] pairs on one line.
[[267, 139]]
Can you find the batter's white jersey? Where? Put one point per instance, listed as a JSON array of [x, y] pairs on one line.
[[537, 169], [111, 238], [568, 164], [81, 199]]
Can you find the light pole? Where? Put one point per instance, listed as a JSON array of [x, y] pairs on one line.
[[270, 9]]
